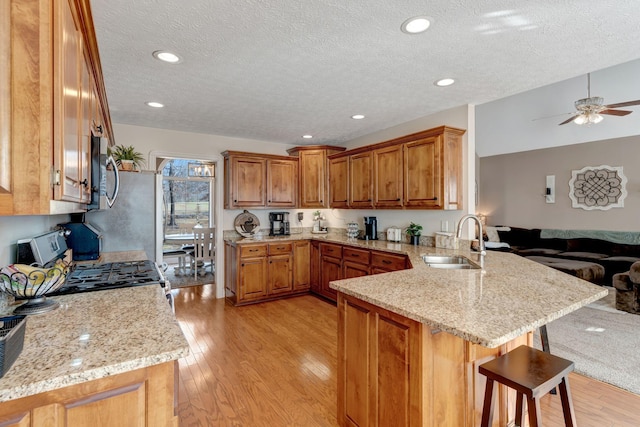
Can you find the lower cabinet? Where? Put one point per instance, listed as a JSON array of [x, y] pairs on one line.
[[330, 268], [143, 397], [263, 271], [395, 371]]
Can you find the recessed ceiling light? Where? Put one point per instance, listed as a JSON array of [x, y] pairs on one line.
[[358, 116], [444, 82], [155, 104], [307, 136], [165, 56], [415, 25]]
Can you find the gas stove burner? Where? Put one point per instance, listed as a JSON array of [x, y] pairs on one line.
[[96, 277]]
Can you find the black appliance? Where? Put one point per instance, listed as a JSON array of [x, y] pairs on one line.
[[84, 239], [101, 198], [97, 277], [370, 228], [279, 224]]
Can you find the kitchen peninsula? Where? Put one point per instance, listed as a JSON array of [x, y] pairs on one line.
[[410, 341], [103, 358]]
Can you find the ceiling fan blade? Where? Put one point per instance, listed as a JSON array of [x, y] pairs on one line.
[[624, 104], [616, 112], [552, 116], [569, 120]]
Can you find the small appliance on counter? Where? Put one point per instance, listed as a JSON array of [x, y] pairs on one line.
[[370, 228], [394, 234], [279, 222], [41, 249], [84, 239]]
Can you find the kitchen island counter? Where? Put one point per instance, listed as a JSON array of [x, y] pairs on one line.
[[94, 335]]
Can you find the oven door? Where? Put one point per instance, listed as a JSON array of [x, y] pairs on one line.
[[105, 182]]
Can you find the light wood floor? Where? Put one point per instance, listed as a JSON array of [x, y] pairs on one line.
[[274, 364]]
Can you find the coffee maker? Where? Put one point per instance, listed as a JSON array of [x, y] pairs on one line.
[[279, 223], [370, 228]]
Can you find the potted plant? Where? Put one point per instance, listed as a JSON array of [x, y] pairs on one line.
[[414, 231], [127, 158]]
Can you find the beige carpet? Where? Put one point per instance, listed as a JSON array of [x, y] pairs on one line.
[[603, 342]]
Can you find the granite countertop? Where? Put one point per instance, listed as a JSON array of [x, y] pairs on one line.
[[93, 335], [509, 297]]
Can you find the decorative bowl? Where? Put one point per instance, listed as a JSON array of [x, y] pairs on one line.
[[33, 283]]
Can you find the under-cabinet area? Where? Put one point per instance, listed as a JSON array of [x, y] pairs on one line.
[[55, 101]]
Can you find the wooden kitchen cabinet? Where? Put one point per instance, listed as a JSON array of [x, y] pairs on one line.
[[265, 271], [383, 262], [387, 177], [355, 262], [54, 56], [302, 265], [361, 180], [314, 267], [395, 371], [313, 173], [330, 268], [259, 180], [418, 171], [143, 397], [339, 182]]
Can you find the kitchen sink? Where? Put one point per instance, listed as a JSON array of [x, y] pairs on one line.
[[453, 262]]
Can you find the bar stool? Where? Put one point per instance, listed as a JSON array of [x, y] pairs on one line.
[[532, 373]]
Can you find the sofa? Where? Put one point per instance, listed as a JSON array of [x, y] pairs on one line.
[[627, 287], [592, 259]]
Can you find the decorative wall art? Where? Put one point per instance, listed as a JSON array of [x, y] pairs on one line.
[[598, 187]]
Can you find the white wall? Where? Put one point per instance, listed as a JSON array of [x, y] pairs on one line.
[[517, 123], [14, 228]]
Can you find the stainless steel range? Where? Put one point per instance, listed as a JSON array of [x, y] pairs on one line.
[[97, 277]]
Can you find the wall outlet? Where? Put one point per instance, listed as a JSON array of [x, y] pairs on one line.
[[300, 216]]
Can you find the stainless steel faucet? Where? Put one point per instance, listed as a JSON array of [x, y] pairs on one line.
[[481, 248]]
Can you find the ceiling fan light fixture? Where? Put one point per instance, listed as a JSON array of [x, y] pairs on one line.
[[588, 119]]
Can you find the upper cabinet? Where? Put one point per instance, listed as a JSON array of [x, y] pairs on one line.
[[259, 181], [51, 91], [418, 171], [313, 173]]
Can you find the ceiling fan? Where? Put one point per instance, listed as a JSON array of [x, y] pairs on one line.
[[591, 109]]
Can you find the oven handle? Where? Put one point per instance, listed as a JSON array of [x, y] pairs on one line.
[[116, 187]]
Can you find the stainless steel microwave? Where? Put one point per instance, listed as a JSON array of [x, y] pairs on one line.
[[105, 181]]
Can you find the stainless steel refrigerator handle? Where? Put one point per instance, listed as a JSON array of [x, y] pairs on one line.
[[111, 200]]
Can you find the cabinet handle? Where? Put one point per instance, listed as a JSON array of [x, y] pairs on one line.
[[321, 201], [386, 261], [433, 198], [99, 128], [269, 201], [368, 200], [398, 199], [85, 183], [253, 250], [242, 265], [270, 262], [235, 201]]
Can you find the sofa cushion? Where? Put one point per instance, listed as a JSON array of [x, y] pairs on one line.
[[617, 264], [585, 270], [538, 251], [634, 272], [626, 250], [517, 236], [590, 245], [587, 256]]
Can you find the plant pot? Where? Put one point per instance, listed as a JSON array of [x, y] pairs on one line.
[[414, 240], [126, 165]]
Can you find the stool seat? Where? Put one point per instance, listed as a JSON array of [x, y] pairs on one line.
[[532, 373]]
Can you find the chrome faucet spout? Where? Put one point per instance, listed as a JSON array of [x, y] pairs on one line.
[[481, 247]]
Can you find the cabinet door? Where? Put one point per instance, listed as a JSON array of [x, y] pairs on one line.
[[338, 182], [252, 277], [301, 265], [360, 181], [246, 183], [387, 177], [68, 54], [6, 197], [315, 266], [384, 262], [352, 269], [282, 183], [86, 120], [313, 182], [423, 178], [280, 274], [330, 270]]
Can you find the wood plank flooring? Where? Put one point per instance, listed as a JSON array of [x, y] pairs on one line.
[[274, 364]]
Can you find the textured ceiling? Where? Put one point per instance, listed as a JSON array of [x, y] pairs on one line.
[[275, 70]]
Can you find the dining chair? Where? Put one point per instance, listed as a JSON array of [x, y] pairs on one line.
[[204, 249]]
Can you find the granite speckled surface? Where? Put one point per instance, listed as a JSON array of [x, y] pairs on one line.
[[490, 306], [93, 335]]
